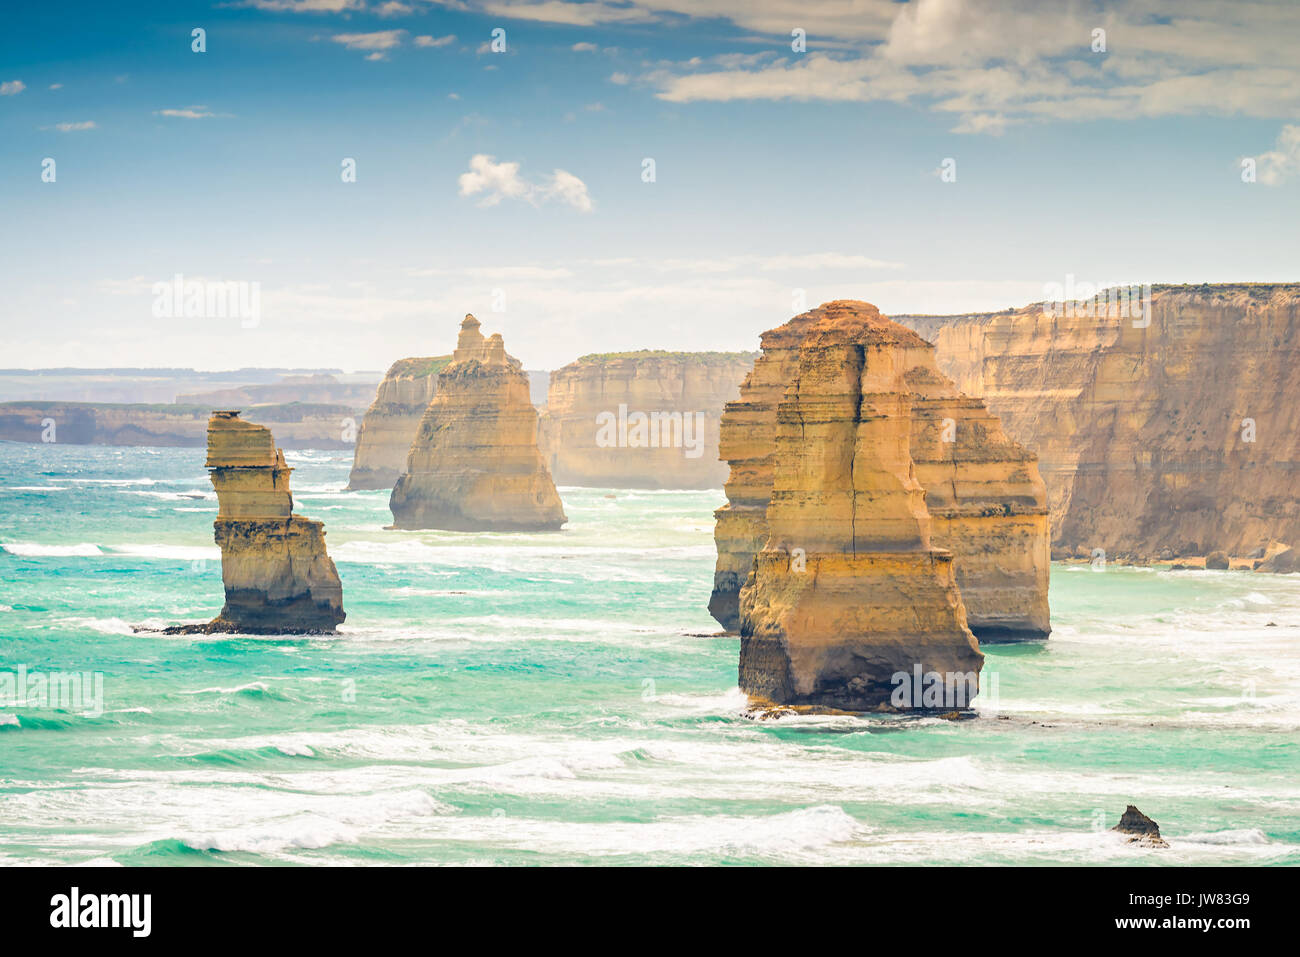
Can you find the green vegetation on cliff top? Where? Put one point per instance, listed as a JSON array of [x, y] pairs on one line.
[[419, 366]]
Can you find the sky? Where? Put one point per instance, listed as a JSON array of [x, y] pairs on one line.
[[673, 174]]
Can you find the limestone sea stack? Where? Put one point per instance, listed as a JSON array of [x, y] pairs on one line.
[[474, 464], [987, 502], [848, 599], [277, 575], [384, 440], [646, 419]]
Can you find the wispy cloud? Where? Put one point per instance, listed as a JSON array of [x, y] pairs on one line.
[[1283, 160], [431, 41], [72, 127], [190, 113], [12, 87], [376, 44], [305, 6], [493, 182]]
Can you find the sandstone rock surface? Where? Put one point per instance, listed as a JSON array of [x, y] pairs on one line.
[[391, 422], [643, 419], [277, 575], [1172, 431], [846, 593], [474, 464], [986, 502]]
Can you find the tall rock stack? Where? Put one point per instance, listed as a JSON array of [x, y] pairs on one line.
[[847, 599], [987, 504], [983, 492], [474, 464], [384, 441], [278, 577], [748, 443]]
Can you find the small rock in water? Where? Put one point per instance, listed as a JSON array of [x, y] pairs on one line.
[[1217, 561], [1142, 829]]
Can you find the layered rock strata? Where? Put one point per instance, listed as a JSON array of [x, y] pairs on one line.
[[1164, 432], [986, 500], [277, 575], [391, 422], [643, 419], [847, 598], [474, 464]]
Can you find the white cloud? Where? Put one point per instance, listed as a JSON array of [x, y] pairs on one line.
[[431, 41], [376, 44], [584, 14], [1283, 160], [56, 86], [72, 127], [188, 113], [584, 48], [495, 181], [305, 6], [1000, 62], [12, 87], [392, 8]]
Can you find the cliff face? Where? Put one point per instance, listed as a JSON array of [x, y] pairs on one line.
[[392, 420], [278, 578], [985, 499], [847, 599], [474, 464], [298, 425], [1180, 437], [641, 419]]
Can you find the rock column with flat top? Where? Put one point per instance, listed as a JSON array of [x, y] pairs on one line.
[[277, 575], [474, 464]]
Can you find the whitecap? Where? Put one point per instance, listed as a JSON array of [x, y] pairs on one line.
[[39, 550]]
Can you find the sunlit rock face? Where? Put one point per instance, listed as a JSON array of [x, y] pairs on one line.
[[847, 592], [985, 500], [474, 464], [1165, 431], [277, 575], [640, 419], [391, 422]]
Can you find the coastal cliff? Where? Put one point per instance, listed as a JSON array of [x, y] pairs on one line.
[[298, 425], [277, 575], [1160, 435], [474, 464], [986, 502], [384, 441], [847, 519], [643, 419]]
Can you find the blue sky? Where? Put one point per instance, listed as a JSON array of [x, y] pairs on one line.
[[514, 179]]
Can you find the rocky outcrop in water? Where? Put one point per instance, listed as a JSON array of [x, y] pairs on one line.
[[1140, 828], [848, 604], [643, 419], [1165, 432], [985, 499], [278, 577], [385, 438], [474, 464]]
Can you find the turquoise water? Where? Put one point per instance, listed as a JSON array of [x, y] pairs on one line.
[[527, 699]]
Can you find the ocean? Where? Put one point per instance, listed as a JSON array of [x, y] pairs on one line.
[[560, 699]]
